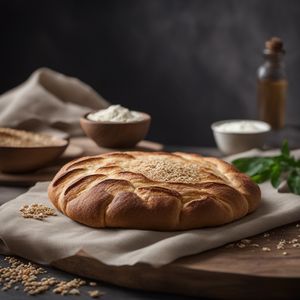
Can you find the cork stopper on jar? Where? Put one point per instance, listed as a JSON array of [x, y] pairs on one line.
[[274, 45]]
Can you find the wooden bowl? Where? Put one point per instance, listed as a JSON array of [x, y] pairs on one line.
[[27, 159], [116, 134]]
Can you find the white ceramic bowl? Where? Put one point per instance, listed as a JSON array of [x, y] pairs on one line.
[[230, 140]]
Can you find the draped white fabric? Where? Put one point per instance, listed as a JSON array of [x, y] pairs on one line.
[[48, 99]]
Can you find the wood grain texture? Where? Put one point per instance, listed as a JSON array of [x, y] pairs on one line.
[[223, 273], [79, 146]]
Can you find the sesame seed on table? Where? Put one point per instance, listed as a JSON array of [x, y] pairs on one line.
[[88, 290]]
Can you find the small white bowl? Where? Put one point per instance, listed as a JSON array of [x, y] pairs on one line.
[[230, 140]]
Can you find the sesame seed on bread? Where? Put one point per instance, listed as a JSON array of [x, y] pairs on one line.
[[155, 191]]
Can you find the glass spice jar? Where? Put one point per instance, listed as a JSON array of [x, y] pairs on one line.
[[272, 84]]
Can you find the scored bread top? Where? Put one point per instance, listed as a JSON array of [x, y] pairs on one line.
[[157, 190]]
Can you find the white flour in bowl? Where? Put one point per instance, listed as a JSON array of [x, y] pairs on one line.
[[242, 126], [115, 113]]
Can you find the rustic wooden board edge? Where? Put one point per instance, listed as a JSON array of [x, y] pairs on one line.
[[222, 273], [174, 278]]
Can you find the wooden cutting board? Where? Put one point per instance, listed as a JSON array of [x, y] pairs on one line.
[[79, 146], [225, 273]]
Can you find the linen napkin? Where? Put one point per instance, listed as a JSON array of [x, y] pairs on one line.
[[48, 99], [58, 236]]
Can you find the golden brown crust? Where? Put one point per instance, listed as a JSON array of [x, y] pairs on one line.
[[156, 191]]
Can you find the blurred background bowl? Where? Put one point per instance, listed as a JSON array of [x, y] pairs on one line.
[[27, 159], [116, 134], [235, 142]]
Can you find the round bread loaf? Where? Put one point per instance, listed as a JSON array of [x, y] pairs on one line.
[[155, 191]]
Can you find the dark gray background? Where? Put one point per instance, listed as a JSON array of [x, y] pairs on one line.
[[188, 63]]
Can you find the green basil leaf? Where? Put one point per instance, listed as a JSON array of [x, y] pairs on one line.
[[284, 164], [294, 182], [297, 171], [254, 165], [285, 151], [275, 168], [243, 163], [276, 175], [262, 177]]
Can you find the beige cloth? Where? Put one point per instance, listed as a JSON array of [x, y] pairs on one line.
[[58, 236], [48, 99]]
